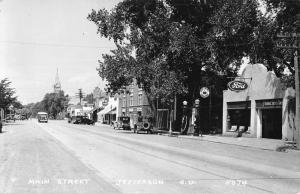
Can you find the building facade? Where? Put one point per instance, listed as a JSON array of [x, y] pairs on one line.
[[109, 113], [264, 109], [134, 102]]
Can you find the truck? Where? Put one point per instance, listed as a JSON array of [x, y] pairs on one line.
[[42, 117]]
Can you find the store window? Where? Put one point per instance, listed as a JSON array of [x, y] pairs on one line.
[[239, 116]]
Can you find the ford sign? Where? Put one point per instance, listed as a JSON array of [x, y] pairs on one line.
[[237, 85]]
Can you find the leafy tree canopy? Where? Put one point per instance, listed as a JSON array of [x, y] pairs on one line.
[[7, 95], [89, 98], [54, 103], [175, 46]]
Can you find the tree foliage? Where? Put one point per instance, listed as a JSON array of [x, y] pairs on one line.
[[286, 19], [174, 46], [89, 98], [54, 103], [25, 111], [7, 95]]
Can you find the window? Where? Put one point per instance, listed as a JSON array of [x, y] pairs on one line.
[[131, 101], [140, 99], [124, 101], [239, 115]]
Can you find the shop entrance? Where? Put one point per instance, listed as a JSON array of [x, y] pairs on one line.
[[272, 123]]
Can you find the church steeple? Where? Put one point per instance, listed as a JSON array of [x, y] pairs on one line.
[[57, 85]]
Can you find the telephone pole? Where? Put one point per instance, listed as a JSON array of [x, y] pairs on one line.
[[295, 46], [79, 95]]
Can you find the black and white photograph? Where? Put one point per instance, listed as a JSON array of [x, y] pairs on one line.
[[149, 97]]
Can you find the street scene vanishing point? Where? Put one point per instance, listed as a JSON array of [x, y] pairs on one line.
[[149, 97]]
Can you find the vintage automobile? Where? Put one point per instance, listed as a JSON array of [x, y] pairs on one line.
[[42, 117], [144, 124], [122, 123], [82, 120]]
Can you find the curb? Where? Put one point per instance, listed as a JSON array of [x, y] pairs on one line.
[[221, 142]]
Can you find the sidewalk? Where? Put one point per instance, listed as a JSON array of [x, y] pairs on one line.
[[264, 144], [256, 143]]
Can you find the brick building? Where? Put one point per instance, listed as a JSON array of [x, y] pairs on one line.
[[132, 102]]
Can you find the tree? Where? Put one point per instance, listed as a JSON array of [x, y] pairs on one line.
[[7, 95], [89, 98], [35, 108], [24, 112], [172, 47], [285, 21], [53, 103]]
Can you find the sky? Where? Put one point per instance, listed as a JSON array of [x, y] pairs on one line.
[[38, 37]]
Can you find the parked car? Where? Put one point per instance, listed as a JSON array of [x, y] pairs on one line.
[[82, 120], [144, 124], [122, 123], [71, 119], [86, 120], [10, 117]]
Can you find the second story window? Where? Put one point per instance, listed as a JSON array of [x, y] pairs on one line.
[[124, 101], [131, 101], [140, 99]]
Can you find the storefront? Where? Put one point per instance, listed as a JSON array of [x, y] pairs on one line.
[[133, 113], [262, 108]]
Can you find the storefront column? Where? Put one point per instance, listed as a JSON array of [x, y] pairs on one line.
[[259, 124], [225, 112], [253, 119]]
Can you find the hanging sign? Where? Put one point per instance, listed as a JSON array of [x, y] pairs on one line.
[[237, 85], [204, 92]]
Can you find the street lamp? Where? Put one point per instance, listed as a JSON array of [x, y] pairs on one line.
[[197, 117], [171, 117], [184, 124]]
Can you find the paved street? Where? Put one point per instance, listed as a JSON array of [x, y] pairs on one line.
[[58, 157]]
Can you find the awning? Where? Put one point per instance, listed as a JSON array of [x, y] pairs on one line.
[[113, 111], [106, 110], [94, 109]]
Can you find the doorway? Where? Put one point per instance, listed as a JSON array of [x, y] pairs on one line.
[[272, 123]]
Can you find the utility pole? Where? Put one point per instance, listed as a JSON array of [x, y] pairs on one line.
[[79, 95], [294, 46], [297, 97]]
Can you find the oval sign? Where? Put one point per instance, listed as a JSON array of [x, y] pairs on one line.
[[204, 92], [237, 85]]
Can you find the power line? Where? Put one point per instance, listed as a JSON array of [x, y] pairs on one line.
[[53, 44]]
